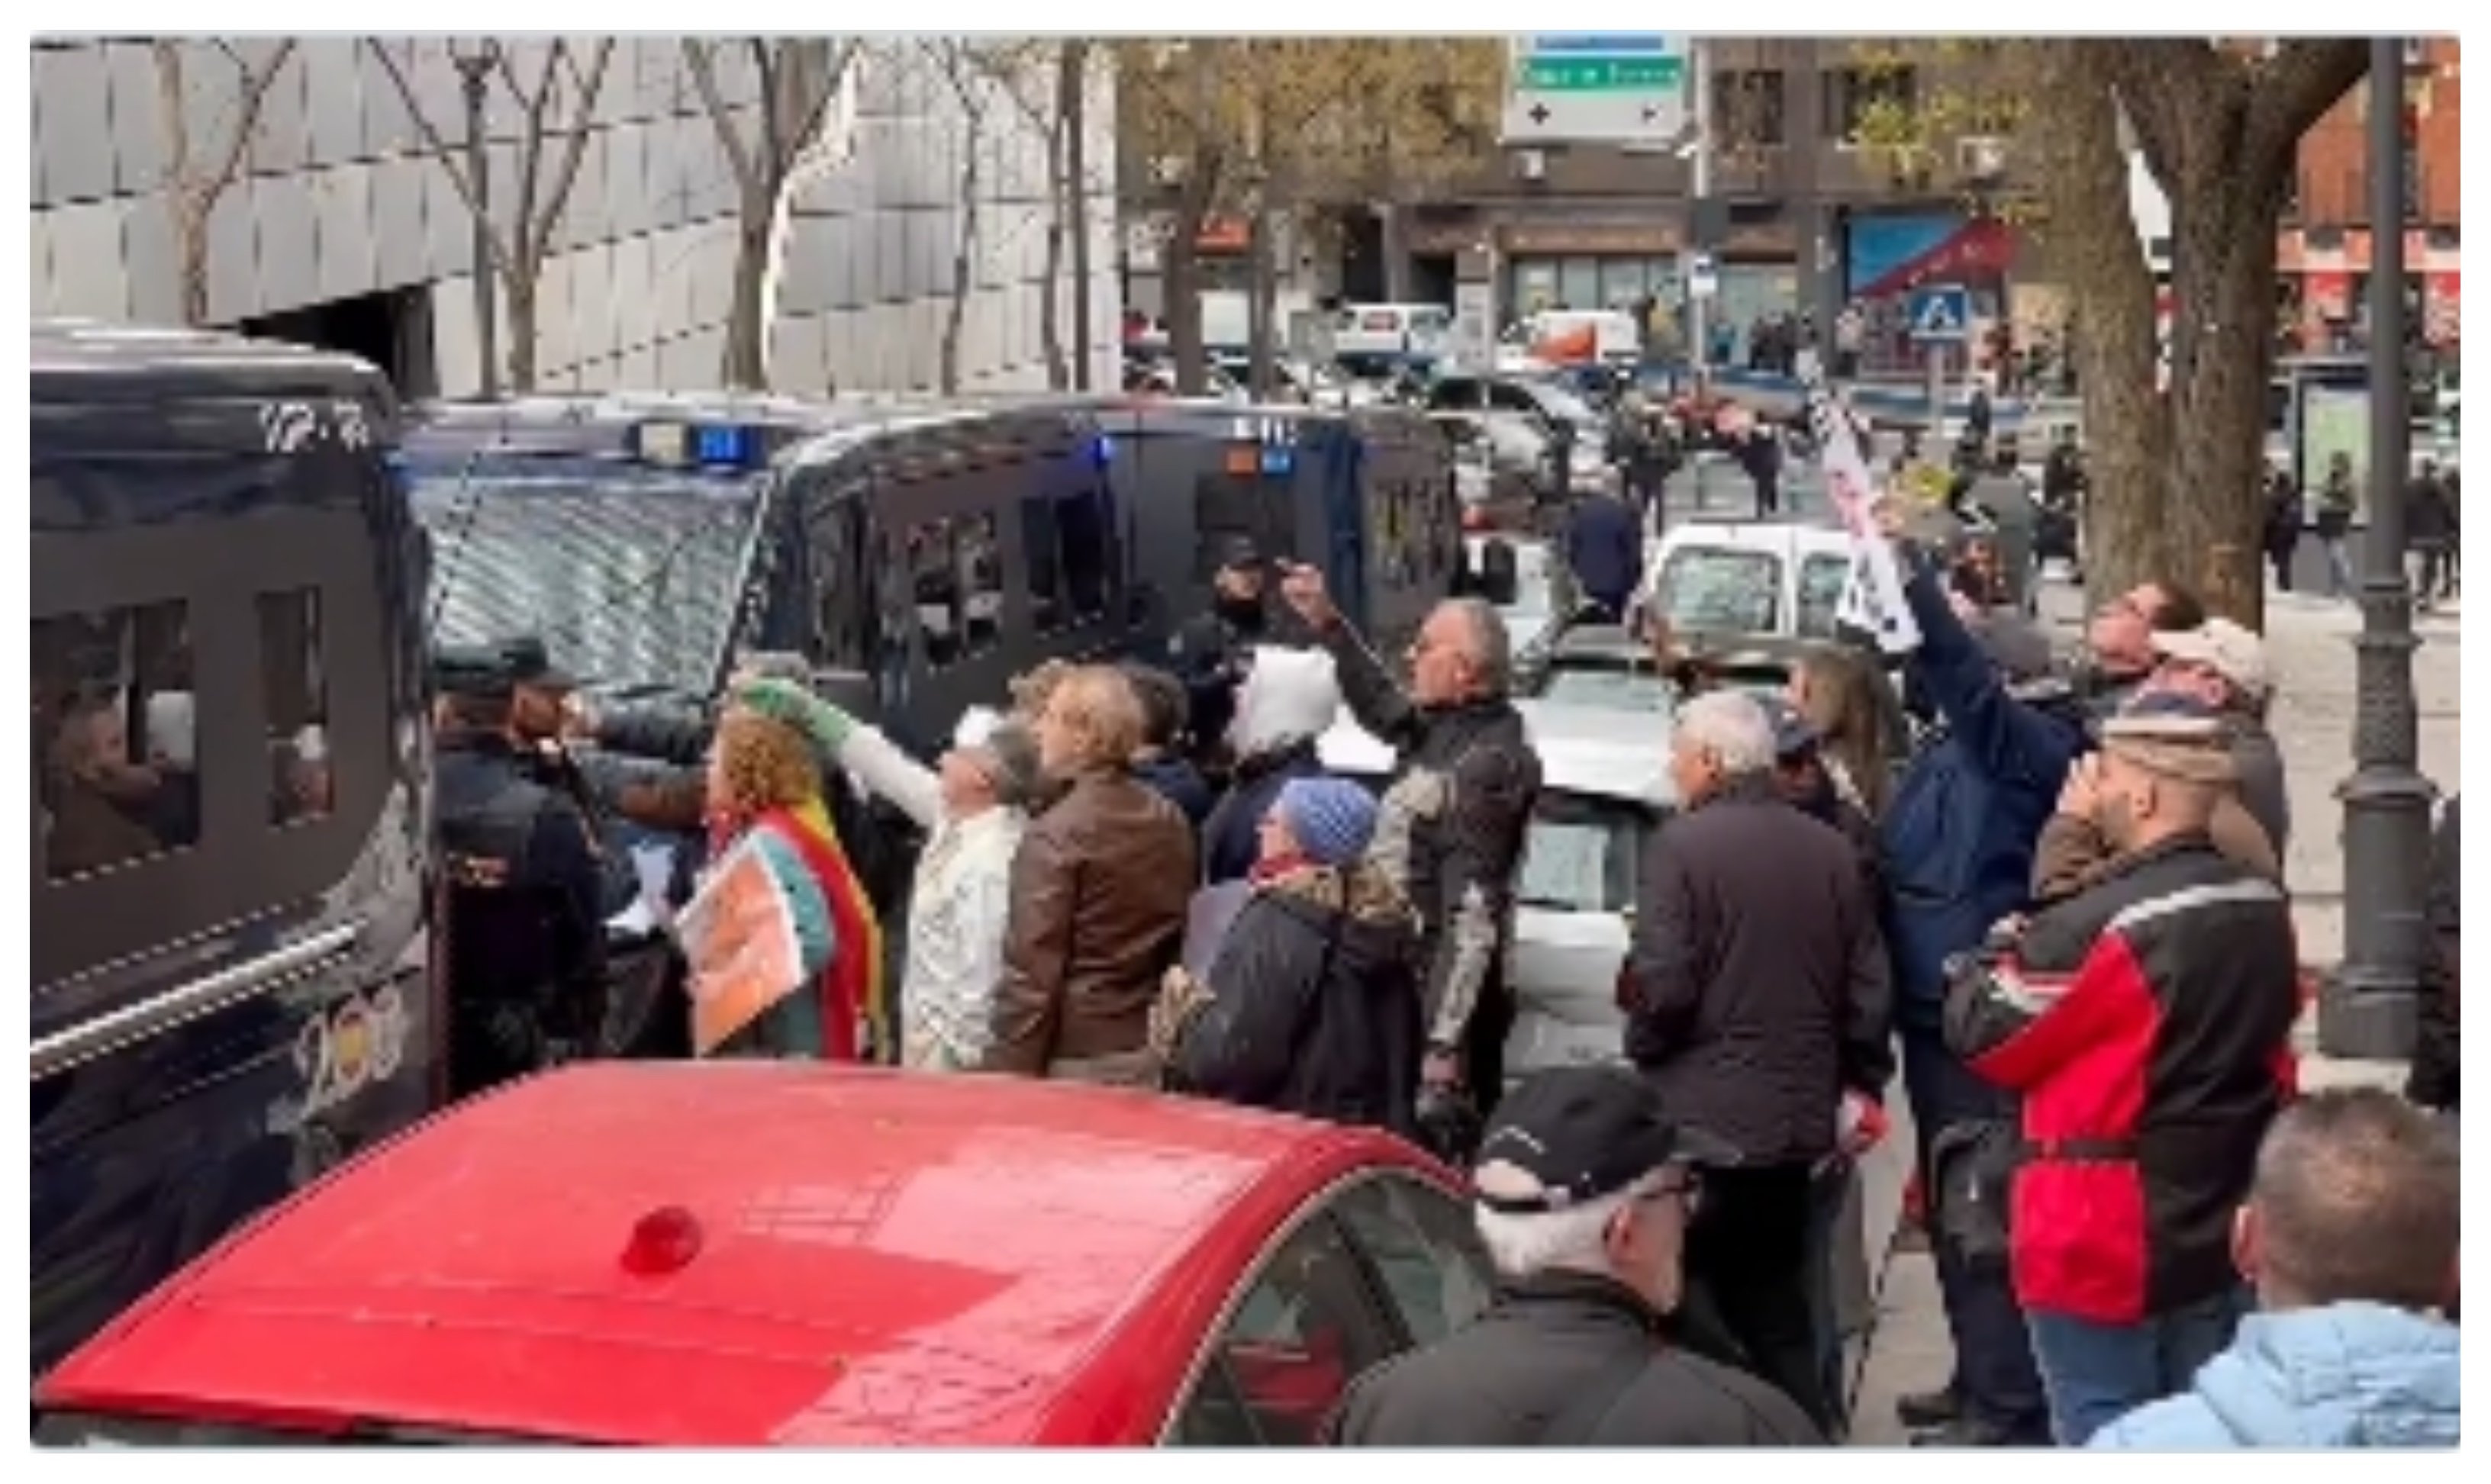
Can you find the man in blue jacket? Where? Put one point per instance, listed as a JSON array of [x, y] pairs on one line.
[[1605, 548], [1956, 848]]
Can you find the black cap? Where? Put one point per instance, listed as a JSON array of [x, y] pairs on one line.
[[1794, 737], [1237, 553], [1584, 1132], [532, 666], [477, 671]]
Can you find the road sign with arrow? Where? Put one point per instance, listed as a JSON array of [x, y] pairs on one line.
[[1606, 89]]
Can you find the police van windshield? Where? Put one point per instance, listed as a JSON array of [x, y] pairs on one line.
[[629, 574]]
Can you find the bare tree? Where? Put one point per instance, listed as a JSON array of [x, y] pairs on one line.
[[197, 173], [555, 107], [1048, 100], [968, 68], [799, 80]]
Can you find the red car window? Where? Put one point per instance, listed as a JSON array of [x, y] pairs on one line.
[[1304, 1328]]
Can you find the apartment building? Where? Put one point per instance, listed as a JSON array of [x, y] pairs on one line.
[[2325, 248]]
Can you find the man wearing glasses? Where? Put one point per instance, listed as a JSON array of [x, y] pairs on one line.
[[1585, 1186]]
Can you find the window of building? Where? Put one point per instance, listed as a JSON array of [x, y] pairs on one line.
[[116, 737], [2411, 172], [1748, 108], [1855, 95], [293, 679], [1042, 561]]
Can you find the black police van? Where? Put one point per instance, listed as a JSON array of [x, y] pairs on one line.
[[232, 796]]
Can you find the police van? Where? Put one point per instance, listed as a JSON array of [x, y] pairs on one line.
[[233, 790]]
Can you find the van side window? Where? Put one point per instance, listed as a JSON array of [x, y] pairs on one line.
[[935, 579], [294, 685], [1042, 556], [116, 736], [980, 562], [842, 585], [1089, 553]]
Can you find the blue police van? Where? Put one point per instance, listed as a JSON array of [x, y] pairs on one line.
[[233, 785]]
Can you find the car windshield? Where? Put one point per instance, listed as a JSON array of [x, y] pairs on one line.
[[1722, 588], [1608, 687], [101, 1430], [629, 574], [1560, 402], [1583, 853]]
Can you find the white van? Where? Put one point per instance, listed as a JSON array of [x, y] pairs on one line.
[[1616, 339], [1783, 578], [1370, 331]]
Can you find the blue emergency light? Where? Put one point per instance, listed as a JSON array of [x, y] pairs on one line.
[[1102, 450], [728, 446], [1277, 462]]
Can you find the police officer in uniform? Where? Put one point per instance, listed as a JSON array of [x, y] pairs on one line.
[[1209, 652], [521, 930]]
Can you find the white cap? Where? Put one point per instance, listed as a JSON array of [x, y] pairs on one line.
[[977, 724], [2225, 647]]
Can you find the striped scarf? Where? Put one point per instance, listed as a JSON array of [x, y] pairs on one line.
[[853, 985]]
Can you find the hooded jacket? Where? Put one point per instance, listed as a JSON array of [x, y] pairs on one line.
[[1314, 1004], [1290, 698], [2346, 1376]]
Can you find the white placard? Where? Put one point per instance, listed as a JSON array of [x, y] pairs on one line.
[[1872, 598]]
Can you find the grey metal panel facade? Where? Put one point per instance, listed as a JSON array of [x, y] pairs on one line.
[[339, 194]]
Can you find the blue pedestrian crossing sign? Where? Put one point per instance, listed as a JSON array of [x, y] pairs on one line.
[[1940, 311]]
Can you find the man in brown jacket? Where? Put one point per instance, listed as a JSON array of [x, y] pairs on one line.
[[1098, 895]]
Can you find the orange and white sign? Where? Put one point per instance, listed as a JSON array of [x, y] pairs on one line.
[[738, 935]]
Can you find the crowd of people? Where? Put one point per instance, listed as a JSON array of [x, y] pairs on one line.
[[2061, 915]]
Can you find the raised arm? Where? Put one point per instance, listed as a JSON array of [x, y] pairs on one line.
[[863, 750]]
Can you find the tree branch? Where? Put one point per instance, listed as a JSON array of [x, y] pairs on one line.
[[575, 148], [739, 157], [801, 138], [440, 151], [2305, 79], [255, 85]]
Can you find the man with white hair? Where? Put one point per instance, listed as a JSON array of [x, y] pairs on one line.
[[1585, 1185], [1757, 1003]]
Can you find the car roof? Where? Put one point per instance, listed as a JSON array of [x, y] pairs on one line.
[[1599, 755], [886, 1256], [1809, 535]]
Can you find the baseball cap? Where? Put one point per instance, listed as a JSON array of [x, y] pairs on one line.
[[1237, 553], [1793, 735], [1579, 1133], [529, 664], [2223, 647]]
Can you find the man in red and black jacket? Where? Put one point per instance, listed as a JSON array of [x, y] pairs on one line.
[[2146, 1023]]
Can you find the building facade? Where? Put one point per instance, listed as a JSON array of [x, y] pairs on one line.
[[2325, 251], [342, 225]]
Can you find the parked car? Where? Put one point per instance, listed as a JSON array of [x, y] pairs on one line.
[[804, 1255], [1605, 789], [1747, 577], [1599, 667]]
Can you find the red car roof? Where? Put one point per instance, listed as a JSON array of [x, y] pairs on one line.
[[881, 1258]]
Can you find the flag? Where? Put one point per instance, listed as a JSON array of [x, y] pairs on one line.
[[1872, 596]]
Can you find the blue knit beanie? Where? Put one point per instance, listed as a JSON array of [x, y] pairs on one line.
[[1332, 818]]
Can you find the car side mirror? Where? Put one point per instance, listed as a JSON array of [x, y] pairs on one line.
[[1500, 573]]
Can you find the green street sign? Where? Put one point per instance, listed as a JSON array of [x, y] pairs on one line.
[[1560, 74]]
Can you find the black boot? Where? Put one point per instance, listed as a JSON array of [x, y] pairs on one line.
[[1919, 1409]]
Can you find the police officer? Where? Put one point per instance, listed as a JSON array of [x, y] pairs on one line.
[[1209, 652], [523, 933]]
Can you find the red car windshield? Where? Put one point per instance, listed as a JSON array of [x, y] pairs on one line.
[[101, 1430]]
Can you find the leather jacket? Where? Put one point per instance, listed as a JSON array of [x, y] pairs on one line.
[[1100, 889]]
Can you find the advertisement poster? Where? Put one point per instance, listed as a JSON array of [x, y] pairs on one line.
[[2335, 421], [738, 939]]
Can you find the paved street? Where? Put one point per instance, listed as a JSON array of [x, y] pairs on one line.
[[2310, 643]]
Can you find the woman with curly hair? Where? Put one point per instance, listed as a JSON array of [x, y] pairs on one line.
[[765, 791]]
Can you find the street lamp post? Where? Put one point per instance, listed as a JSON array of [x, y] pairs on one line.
[[476, 62], [1699, 192], [2368, 1009]]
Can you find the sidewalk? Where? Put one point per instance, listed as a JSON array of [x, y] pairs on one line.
[[2310, 646]]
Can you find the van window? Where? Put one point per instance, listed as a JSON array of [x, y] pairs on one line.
[[979, 557], [116, 736], [295, 690], [1821, 581], [843, 586], [1722, 588], [934, 577], [1042, 561], [1088, 552]]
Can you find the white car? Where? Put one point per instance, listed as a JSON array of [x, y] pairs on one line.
[[1783, 578], [1605, 789]]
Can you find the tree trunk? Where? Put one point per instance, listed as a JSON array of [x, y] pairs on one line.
[[1059, 201], [964, 261], [1261, 298], [2075, 133], [519, 296], [1072, 109], [1395, 245], [190, 241], [743, 365]]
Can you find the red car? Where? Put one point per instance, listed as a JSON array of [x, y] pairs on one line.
[[780, 1253]]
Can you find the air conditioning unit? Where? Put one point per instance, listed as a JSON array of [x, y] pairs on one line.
[[1980, 157], [1530, 165], [2416, 53]]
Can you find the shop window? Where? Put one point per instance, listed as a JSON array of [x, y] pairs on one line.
[[293, 678], [116, 737]]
